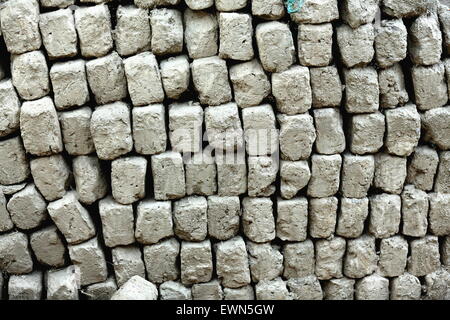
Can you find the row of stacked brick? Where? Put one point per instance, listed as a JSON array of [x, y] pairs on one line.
[[327, 178]]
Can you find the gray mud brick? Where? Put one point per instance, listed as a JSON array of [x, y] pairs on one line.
[[272, 290], [414, 211], [329, 258], [93, 26], [171, 290], [51, 176], [56, 3], [106, 77], [444, 18], [315, 44], [298, 259], [58, 33], [275, 46], [71, 218], [268, 9], [361, 258], [391, 42], [402, 130], [430, 87], [167, 31], [150, 4], [258, 220], [11, 189], [111, 130], [29, 72], [185, 126], [297, 136], [117, 222], [326, 87], [260, 133], [6, 223], [367, 133], [424, 256], [63, 284], [385, 215], [90, 258], [207, 291], [437, 285], [357, 175], [223, 127], [439, 215], [175, 75], [132, 32], [102, 290], [201, 174], [69, 84], [137, 288], [39, 126], [393, 256], [292, 219], [322, 217], [199, 4], [27, 208], [161, 260], [358, 12], [210, 77], [292, 90], [153, 222], [235, 37], [231, 174], [90, 182], [25, 287], [356, 45], [190, 218], [294, 176], [230, 5], [362, 90], [437, 131], [196, 262], [265, 261], [127, 263], [9, 108], [446, 251], [443, 174], [390, 173], [128, 177], [14, 165], [305, 288], [244, 293], [339, 289], [168, 166], [330, 131], [201, 34], [425, 40], [15, 257], [262, 173], [352, 216], [48, 247], [223, 217], [143, 79], [250, 83], [232, 265], [76, 132], [405, 287], [325, 175], [149, 129], [19, 24], [392, 87], [317, 11], [373, 287], [404, 8]]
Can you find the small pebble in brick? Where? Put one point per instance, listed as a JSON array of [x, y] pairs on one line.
[[367, 133], [149, 129], [190, 218], [201, 34], [102, 290], [236, 33], [330, 132], [171, 290], [207, 291], [15, 257], [357, 175], [405, 8], [265, 261], [305, 288], [356, 45], [127, 263], [317, 12], [111, 130], [425, 40], [362, 90], [393, 256], [430, 87], [48, 247], [352, 217], [6, 223], [201, 174], [423, 167], [128, 177], [185, 125], [361, 258], [175, 75], [132, 33], [437, 131], [262, 173], [90, 181], [295, 176], [223, 217], [322, 217], [298, 259], [63, 284], [58, 33], [161, 261], [443, 175], [339, 289], [414, 211], [25, 287], [439, 215], [424, 256], [326, 87], [358, 12], [329, 258], [373, 287], [292, 219], [315, 44], [29, 72], [167, 31], [391, 42], [231, 174], [76, 133], [196, 262], [243, 293], [272, 290], [268, 9], [15, 167], [117, 222], [385, 215], [392, 87], [390, 173], [137, 288], [405, 287], [325, 175], [199, 4], [258, 220], [9, 108], [93, 26], [27, 208]]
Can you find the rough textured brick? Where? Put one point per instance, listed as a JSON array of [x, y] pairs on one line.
[[425, 40], [439, 214], [6, 223], [315, 44], [423, 167], [404, 8], [443, 174], [161, 261], [435, 123], [168, 165], [361, 258], [9, 108], [117, 222], [326, 87], [329, 258], [258, 220], [175, 75], [305, 288], [102, 290], [231, 174], [149, 129], [89, 177], [223, 127], [235, 36], [223, 216], [339, 289], [211, 290], [63, 284], [325, 175], [405, 287], [297, 136], [190, 218], [27, 208], [268, 9], [201, 174], [14, 168], [196, 262], [201, 34], [167, 31], [265, 261], [392, 87], [317, 11], [298, 259], [137, 288], [199, 4], [76, 133], [391, 41], [414, 211], [393, 255], [362, 90], [272, 290], [295, 176], [352, 216], [127, 263], [128, 179], [15, 257], [357, 175], [48, 247], [292, 219], [171, 290], [262, 173], [243, 293], [367, 133], [430, 88], [424, 256], [330, 132], [385, 215], [322, 217], [185, 124], [373, 287], [390, 173], [356, 45], [358, 12], [25, 287]]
